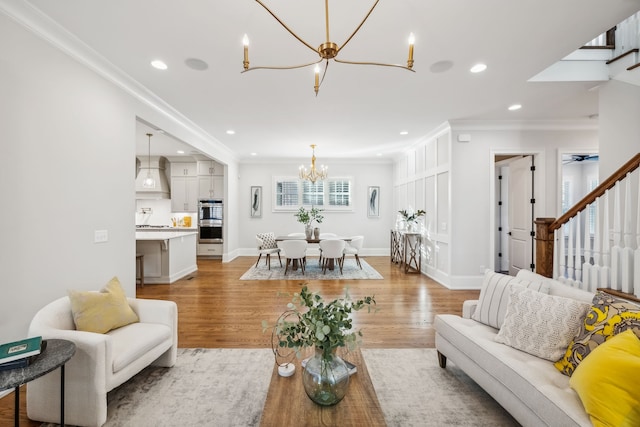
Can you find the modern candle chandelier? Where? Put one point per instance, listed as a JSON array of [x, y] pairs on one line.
[[327, 50], [313, 174]]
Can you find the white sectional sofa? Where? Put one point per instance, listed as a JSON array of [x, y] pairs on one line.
[[530, 388]]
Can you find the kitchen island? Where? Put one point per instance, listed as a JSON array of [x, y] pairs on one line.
[[168, 255]]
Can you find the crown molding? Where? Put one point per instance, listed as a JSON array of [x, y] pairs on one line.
[[40, 24], [568, 124]]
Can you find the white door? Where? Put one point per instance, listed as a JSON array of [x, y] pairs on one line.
[[520, 214]]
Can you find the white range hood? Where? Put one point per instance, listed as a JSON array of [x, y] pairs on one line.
[[153, 166]]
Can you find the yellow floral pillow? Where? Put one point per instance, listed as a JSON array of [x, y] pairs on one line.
[[607, 382], [101, 311], [607, 317]]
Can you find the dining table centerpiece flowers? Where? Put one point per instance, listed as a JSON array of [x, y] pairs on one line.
[[309, 321], [307, 217], [410, 218]]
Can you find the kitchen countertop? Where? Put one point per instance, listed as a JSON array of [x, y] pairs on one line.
[[162, 234]]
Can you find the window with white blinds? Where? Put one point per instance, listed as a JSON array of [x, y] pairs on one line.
[[330, 194], [287, 193]]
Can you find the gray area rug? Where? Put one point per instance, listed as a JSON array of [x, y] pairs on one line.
[[414, 391], [350, 270], [228, 387], [206, 387]]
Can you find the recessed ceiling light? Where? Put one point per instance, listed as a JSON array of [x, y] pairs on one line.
[[231, 132], [160, 65], [180, 152], [379, 154], [515, 107], [478, 68], [254, 154], [404, 132]]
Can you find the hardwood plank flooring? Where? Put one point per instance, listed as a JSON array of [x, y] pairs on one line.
[[217, 310]]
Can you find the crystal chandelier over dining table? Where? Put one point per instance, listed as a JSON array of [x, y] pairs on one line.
[[327, 50], [313, 174]]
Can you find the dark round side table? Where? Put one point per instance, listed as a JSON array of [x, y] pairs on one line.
[[55, 355]]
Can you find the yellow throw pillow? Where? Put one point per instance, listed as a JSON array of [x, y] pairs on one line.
[[101, 311], [607, 382]]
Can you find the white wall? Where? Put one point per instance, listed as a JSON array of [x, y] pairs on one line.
[[471, 165], [365, 174], [67, 144], [619, 110]]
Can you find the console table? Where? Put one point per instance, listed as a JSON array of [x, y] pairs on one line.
[[406, 250], [55, 355], [287, 404]]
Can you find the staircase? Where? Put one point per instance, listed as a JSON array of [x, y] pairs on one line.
[[596, 243], [613, 55]]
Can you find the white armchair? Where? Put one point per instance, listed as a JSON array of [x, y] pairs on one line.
[[102, 361]]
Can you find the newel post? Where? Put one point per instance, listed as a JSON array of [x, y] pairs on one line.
[[544, 246]]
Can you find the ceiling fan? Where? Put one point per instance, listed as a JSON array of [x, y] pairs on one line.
[[567, 159]]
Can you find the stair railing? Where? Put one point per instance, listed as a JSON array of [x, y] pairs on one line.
[[584, 248]]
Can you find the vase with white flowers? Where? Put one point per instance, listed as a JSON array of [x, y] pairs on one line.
[[311, 322]]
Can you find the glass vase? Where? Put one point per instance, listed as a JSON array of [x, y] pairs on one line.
[[325, 378]]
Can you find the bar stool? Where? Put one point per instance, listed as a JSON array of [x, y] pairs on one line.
[[140, 268]]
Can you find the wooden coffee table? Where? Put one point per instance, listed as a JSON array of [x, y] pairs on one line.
[[287, 403]]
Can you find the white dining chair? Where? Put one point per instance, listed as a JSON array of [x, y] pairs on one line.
[[295, 251], [332, 250], [322, 237], [353, 247]]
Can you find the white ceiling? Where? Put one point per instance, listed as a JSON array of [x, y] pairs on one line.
[[360, 110]]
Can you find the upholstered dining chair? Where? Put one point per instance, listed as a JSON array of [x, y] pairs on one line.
[[266, 244], [353, 247], [295, 251], [322, 237], [332, 250]]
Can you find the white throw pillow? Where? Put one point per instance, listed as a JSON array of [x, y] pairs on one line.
[[540, 324], [494, 296], [268, 240]]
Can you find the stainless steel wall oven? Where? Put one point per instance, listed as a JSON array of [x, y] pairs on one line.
[[210, 221]]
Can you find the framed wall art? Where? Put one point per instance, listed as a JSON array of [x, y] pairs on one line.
[[373, 202], [256, 201]]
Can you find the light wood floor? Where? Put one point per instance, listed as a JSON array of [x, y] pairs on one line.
[[216, 309]]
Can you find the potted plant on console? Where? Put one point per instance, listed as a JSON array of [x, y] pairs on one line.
[[311, 322], [307, 217]]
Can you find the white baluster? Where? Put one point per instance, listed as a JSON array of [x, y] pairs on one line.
[[556, 256], [594, 277], [571, 271], [616, 250], [605, 269], [586, 266], [626, 255], [562, 250], [578, 261]]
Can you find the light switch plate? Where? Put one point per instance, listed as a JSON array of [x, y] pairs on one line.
[[100, 236]]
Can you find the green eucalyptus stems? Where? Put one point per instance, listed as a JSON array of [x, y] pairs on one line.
[[309, 321], [307, 217]]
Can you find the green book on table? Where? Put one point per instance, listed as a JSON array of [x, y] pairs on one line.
[[20, 349]]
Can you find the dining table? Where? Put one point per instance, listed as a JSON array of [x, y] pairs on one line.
[[331, 265]]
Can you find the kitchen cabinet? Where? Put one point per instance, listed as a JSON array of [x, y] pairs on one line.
[[168, 256], [184, 193], [210, 167], [184, 169], [210, 180], [210, 249], [211, 187]]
